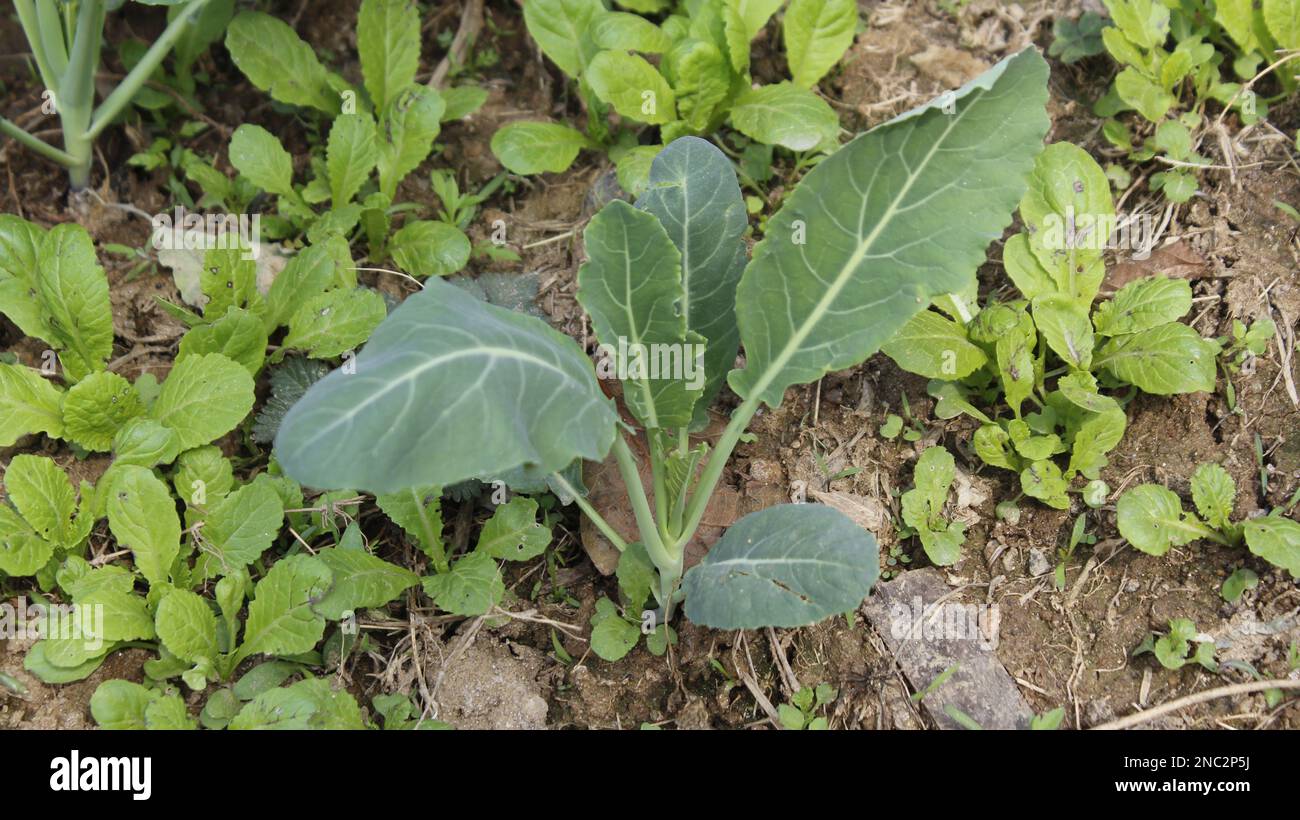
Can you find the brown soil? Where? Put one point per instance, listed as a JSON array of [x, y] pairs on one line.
[[1068, 648]]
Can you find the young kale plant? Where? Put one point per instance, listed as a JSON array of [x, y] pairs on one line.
[[450, 388], [1014, 349], [65, 39], [702, 79], [1153, 519], [384, 130]]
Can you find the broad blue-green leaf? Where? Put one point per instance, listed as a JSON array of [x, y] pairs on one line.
[[361, 581], [513, 532], [1276, 540], [1151, 518], [472, 587], [693, 192], [335, 322], [407, 130], [537, 147], [28, 404], [350, 156], [631, 285], [1143, 304], [276, 60], [426, 248], [281, 618], [388, 42], [790, 565], [1167, 359], [448, 388], [936, 347], [633, 87], [142, 517], [203, 398], [559, 28], [74, 299], [867, 239], [258, 155], [785, 115], [1215, 493], [817, 33]]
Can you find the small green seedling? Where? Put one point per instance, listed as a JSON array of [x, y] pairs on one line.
[[1152, 518], [801, 711], [1009, 352], [701, 81], [1181, 645], [923, 507], [1239, 350]]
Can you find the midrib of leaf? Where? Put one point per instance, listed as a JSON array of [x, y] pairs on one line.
[[644, 381], [847, 269], [493, 351]]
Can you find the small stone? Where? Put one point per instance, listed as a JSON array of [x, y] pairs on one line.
[[1038, 563]]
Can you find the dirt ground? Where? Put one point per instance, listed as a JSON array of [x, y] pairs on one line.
[[1066, 648]]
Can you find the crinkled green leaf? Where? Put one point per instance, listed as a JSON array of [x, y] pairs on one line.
[[1214, 493], [350, 155], [238, 335], [786, 115], [472, 587], [407, 130], [258, 155], [28, 404], [632, 86], [612, 637], [513, 532], [1164, 360], [1042, 480], [204, 397], [934, 346], [282, 619], [334, 322], [1276, 540], [361, 581], [537, 147], [307, 704], [74, 300], [44, 496], [243, 525], [1151, 518], [187, 626], [1143, 304], [142, 517]]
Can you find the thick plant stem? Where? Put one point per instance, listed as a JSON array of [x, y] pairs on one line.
[[590, 512], [76, 94], [645, 522], [717, 461]]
